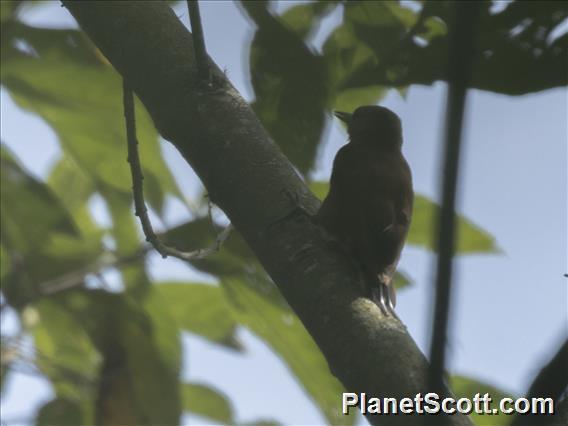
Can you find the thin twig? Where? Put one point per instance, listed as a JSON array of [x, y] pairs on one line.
[[136, 169], [418, 25], [138, 190], [214, 226], [77, 277], [198, 40], [210, 211], [459, 69]]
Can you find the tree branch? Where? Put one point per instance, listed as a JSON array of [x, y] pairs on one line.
[[550, 382], [461, 35], [138, 191], [198, 39], [247, 176]]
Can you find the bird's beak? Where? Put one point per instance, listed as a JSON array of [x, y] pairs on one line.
[[343, 116]]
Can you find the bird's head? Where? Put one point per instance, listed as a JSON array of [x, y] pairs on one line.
[[373, 125]]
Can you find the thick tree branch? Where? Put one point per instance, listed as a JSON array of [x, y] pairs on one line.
[[250, 179]]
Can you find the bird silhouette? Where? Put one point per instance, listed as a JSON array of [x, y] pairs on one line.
[[369, 205]]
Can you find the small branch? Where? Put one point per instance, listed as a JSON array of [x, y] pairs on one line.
[[137, 187], [198, 40], [459, 70], [136, 169], [552, 380], [418, 25], [77, 277]]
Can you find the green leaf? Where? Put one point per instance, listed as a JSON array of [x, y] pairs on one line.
[[302, 19], [465, 387], [434, 27], [471, 238], [4, 262], [343, 56], [61, 412], [68, 83], [40, 226], [151, 358], [30, 212], [68, 357], [401, 280], [7, 9], [368, 38], [165, 330], [290, 85], [126, 234], [76, 196], [153, 364], [518, 37], [232, 259], [140, 349], [377, 15], [319, 188], [279, 327], [201, 309], [38, 230], [349, 100], [205, 401]]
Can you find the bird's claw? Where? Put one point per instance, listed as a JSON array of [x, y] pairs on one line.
[[383, 298]]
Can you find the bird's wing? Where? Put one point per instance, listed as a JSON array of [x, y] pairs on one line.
[[389, 210], [364, 210]]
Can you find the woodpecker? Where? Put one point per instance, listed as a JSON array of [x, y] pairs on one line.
[[369, 205]]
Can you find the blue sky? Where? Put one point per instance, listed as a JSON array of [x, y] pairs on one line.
[[509, 310]]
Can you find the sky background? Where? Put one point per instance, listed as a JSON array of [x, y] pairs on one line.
[[509, 309]]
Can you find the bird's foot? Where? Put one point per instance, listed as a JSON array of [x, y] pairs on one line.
[[383, 296], [377, 296]]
